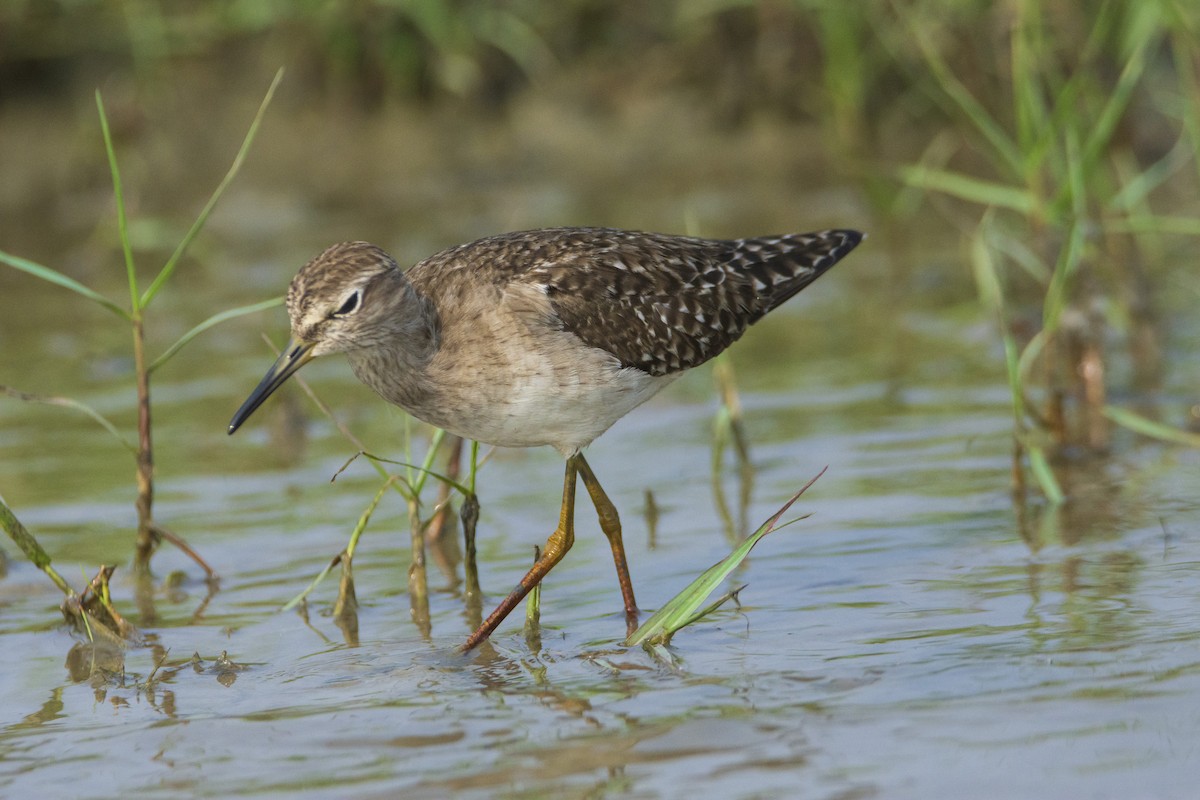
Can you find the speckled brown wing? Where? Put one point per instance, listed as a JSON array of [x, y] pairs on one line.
[[663, 304]]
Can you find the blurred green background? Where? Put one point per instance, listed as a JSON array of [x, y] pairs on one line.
[[1028, 174], [1049, 149]]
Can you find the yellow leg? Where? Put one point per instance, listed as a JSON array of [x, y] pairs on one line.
[[610, 523], [556, 547]]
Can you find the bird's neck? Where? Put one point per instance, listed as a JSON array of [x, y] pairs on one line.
[[396, 367]]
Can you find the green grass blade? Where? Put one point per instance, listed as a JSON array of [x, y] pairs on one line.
[[1069, 258], [680, 610], [1156, 223], [365, 517], [30, 547], [992, 131], [1185, 50], [516, 38], [1148, 427], [348, 553], [1019, 253], [215, 319], [533, 603], [412, 468], [1012, 368], [1071, 255], [722, 434], [1118, 100], [713, 606], [987, 277], [169, 268], [1028, 358], [1133, 194], [298, 599], [58, 279], [435, 444], [66, 402], [1030, 112], [119, 197], [474, 466], [1039, 465], [975, 190]]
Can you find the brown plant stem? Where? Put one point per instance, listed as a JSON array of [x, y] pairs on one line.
[[147, 537], [162, 533], [418, 585], [469, 513]]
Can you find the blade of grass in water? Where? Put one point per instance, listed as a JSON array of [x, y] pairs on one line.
[[30, 547], [975, 190], [993, 132], [135, 305], [67, 402], [1159, 223], [215, 319], [350, 547], [681, 610], [57, 278], [173, 261], [533, 603], [412, 491], [1148, 427], [1040, 466]]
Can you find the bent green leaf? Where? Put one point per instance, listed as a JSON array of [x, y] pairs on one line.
[[1148, 427], [57, 278], [975, 190], [1039, 464], [168, 268], [122, 219], [215, 319], [29, 546], [346, 554], [67, 402], [681, 610]]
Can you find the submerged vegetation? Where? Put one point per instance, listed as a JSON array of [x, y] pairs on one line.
[[91, 611], [1029, 177], [684, 608], [1069, 210], [149, 532], [1071, 130]]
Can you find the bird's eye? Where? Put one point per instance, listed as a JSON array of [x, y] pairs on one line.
[[350, 305]]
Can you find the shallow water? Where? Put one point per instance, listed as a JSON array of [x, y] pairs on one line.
[[913, 638]]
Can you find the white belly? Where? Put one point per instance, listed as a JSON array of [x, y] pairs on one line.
[[519, 387], [564, 411]]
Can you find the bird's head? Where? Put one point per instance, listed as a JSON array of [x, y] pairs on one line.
[[349, 297]]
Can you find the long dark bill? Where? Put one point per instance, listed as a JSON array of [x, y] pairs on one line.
[[293, 357]]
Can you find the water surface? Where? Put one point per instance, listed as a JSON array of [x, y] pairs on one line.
[[915, 637]]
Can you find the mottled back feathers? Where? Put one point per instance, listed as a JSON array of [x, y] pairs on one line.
[[658, 303]]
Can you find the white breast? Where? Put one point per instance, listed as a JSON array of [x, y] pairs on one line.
[[563, 407], [512, 378]]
